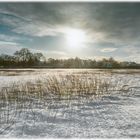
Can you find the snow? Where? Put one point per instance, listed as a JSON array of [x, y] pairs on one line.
[[116, 115]]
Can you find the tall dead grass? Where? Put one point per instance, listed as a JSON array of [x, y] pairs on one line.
[[37, 94]]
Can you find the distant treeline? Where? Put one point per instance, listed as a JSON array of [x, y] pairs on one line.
[[24, 58]]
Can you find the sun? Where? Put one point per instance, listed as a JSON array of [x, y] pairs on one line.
[[75, 37]]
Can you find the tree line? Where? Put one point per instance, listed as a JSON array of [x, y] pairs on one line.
[[24, 58]]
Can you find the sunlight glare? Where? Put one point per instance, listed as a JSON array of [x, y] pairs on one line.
[[75, 37]]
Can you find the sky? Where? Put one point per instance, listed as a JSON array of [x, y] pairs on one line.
[[65, 29]]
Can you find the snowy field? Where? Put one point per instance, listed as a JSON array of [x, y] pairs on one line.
[[115, 114]]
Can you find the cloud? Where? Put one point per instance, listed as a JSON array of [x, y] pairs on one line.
[[106, 50], [7, 38], [49, 54], [9, 47], [114, 21], [35, 30], [109, 27], [7, 43], [43, 19]]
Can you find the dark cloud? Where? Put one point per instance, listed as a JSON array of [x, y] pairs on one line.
[[116, 20]]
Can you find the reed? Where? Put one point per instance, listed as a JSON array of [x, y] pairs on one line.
[[37, 94]]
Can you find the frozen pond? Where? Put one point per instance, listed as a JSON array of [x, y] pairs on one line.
[[115, 115]]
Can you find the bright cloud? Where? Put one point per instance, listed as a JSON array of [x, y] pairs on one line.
[[108, 49]]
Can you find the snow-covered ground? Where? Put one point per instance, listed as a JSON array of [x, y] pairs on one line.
[[110, 116]]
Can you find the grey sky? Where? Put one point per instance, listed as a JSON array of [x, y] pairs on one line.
[[112, 29]]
